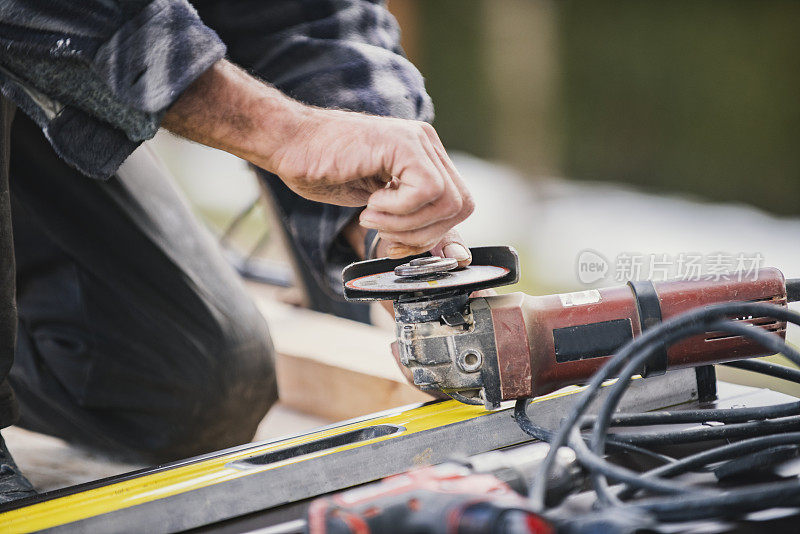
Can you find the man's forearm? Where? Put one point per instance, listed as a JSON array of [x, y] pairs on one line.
[[397, 168], [226, 108]]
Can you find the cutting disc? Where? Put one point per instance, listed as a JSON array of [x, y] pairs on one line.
[[390, 282]]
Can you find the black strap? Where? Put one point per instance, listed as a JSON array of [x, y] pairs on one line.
[[649, 308]]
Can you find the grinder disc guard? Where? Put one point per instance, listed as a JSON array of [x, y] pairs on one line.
[[378, 280], [390, 282]]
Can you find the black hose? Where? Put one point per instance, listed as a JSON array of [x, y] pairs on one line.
[[718, 454], [712, 433], [720, 415], [630, 447], [542, 434], [525, 423], [726, 504], [739, 423], [770, 341], [560, 438]]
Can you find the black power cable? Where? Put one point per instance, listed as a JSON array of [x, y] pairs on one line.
[[753, 429], [718, 454], [770, 341]]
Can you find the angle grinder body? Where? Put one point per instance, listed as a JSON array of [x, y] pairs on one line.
[[488, 349]]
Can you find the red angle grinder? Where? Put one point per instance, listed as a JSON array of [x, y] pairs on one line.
[[484, 350]]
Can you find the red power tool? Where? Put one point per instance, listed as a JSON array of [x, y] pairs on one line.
[[484, 350], [483, 494]]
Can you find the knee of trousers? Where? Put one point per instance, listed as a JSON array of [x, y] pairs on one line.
[[216, 402], [226, 403], [145, 400]]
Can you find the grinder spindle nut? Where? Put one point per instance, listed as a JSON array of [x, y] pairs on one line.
[[425, 266], [470, 360]]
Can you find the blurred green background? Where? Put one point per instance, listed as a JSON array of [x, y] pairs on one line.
[[698, 97]]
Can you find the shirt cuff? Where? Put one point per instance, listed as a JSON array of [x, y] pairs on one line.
[[152, 58]]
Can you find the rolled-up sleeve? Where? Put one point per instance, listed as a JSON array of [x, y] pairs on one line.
[[97, 76]]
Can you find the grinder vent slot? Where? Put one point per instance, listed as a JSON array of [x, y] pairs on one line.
[[767, 323]]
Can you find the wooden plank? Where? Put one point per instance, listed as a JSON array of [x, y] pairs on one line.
[[332, 367]]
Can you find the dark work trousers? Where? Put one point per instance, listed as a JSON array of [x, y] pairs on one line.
[[8, 314], [134, 335]]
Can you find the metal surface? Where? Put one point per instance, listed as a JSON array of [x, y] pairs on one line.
[[419, 267], [459, 359], [236, 482], [451, 310]]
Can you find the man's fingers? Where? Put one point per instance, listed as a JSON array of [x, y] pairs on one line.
[[422, 178], [417, 210], [451, 169], [423, 237], [453, 246], [440, 210], [455, 202], [430, 214], [452, 206], [426, 236], [395, 250], [411, 192], [398, 250]]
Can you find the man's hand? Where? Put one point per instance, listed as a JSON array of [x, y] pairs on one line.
[[397, 168], [452, 245]]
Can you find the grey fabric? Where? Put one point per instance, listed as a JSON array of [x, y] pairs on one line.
[[100, 71], [135, 336], [13, 485]]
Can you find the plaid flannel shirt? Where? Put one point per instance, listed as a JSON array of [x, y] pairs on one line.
[[97, 76]]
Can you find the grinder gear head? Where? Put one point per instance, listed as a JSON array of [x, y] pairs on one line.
[[443, 338]]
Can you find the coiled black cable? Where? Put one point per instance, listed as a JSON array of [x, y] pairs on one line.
[[733, 431], [754, 429]]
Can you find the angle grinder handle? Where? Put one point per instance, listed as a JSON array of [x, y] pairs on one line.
[[547, 342]]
